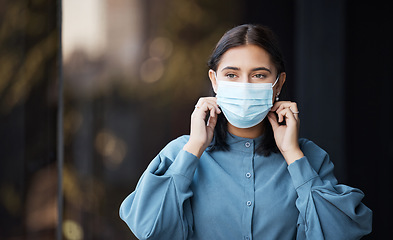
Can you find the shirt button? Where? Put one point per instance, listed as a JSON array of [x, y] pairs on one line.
[[247, 144], [249, 203], [248, 175], [247, 238]]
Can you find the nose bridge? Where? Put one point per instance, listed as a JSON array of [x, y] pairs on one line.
[[245, 78]]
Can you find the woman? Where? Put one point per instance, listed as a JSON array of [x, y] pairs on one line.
[[243, 173]]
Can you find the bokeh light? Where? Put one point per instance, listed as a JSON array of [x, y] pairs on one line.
[[72, 230], [152, 70], [112, 148]]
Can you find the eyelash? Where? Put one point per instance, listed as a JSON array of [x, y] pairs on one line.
[[258, 75], [230, 75]]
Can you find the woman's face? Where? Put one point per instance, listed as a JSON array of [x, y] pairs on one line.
[[247, 63]]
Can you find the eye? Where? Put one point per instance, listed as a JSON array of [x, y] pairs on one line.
[[230, 75], [259, 75]]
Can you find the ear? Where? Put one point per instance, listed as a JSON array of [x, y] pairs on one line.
[[280, 82], [213, 80]]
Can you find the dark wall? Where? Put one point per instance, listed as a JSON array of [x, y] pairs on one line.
[[339, 67], [369, 107]]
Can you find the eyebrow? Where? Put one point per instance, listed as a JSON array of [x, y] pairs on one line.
[[253, 70], [230, 68], [261, 68]]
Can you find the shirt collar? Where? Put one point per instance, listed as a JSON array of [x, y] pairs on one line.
[[243, 144]]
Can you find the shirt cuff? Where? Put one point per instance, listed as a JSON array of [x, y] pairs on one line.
[[301, 172], [185, 164]]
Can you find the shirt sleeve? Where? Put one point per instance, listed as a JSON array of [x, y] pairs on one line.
[[159, 207], [327, 210]]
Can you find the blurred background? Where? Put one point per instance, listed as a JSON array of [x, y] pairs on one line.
[[92, 90]]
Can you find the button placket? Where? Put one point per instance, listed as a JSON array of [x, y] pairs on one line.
[[249, 188]]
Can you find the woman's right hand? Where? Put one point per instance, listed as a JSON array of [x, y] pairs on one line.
[[201, 133]]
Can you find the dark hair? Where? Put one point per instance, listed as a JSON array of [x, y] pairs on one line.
[[238, 36]]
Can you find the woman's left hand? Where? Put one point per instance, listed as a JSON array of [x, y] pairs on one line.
[[286, 135]]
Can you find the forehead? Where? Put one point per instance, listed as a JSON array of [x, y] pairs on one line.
[[246, 57]]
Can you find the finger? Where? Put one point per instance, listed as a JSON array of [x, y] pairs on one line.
[[289, 117], [273, 120], [213, 101], [212, 112], [287, 104], [201, 111], [208, 107], [211, 123], [295, 114], [281, 107], [217, 108], [209, 100], [204, 106], [294, 108], [276, 105], [280, 116]]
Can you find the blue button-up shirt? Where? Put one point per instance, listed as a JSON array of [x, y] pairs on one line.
[[239, 194]]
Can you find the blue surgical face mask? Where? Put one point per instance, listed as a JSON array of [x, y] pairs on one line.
[[245, 104]]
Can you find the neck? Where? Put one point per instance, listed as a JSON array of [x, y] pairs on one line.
[[252, 132]]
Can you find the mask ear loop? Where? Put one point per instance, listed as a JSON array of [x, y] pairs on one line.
[[215, 75], [278, 77]]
